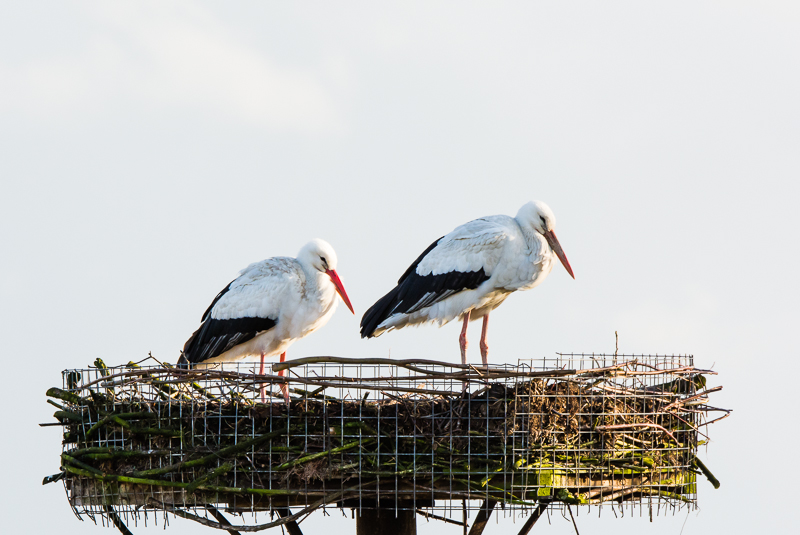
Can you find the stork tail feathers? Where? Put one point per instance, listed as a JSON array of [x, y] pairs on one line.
[[378, 312]]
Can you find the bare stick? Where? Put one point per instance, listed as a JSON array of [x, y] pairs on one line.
[[442, 518], [221, 519], [624, 426], [247, 529], [292, 526], [573, 520]]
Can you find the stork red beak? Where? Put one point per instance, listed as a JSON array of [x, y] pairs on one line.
[[553, 241], [340, 288]]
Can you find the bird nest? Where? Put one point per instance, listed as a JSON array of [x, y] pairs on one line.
[[375, 433]]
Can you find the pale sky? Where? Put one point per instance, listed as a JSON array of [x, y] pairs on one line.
[[149, 150]]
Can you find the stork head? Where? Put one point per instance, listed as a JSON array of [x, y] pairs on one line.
[[320, 256], [538, 216]]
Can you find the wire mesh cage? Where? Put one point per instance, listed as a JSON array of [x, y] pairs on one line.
[[441, 439]]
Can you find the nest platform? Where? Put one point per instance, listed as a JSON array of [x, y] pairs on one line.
[[440, 439]]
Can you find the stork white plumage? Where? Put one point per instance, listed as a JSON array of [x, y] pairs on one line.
[[269, 306], [470, 272]]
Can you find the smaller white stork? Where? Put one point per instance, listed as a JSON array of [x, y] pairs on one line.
[[270, 305], [470, 272]]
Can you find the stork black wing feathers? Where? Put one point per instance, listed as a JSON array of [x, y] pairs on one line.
[[415, 292], [215, 337]]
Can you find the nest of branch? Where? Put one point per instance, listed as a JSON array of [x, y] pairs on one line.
[[171, 439]]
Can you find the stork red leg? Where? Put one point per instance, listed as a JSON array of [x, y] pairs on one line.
[[483, 344], [261, 372], [284, 387], [462, 343], [462, 339]]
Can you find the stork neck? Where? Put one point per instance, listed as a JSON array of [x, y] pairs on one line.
[[539, 253], [311, 274], [537, 244], [537, 263], [318, 286]]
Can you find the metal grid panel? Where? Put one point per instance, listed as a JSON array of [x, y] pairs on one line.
[[434, 437]]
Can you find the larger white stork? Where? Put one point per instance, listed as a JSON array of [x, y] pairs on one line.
[[469, 272], [269, 306]]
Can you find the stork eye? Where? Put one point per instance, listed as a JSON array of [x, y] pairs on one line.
[[543, 220], [324, 262]]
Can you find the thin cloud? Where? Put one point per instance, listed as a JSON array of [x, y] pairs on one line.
[[170, 55]]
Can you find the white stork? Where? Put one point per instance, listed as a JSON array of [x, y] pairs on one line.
[[469, 272], [268, 306]]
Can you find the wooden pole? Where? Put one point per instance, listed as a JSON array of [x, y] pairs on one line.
[[291, 527], [538, 512], [221, 519], [386, 521], [483, 517]]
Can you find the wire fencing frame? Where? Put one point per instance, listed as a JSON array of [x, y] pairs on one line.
[[438, 438]]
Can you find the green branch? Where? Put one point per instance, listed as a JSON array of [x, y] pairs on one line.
[[322, 454], [706, 472], [224, 452]]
